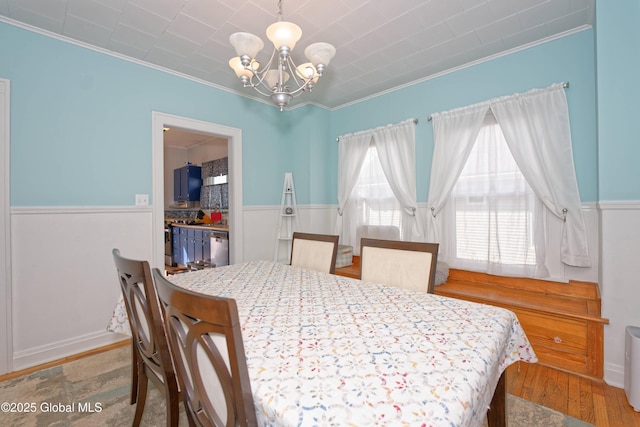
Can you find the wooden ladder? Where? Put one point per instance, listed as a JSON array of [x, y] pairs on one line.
[[287, 220]]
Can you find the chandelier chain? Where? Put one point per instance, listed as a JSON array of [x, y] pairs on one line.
[[280, 10]]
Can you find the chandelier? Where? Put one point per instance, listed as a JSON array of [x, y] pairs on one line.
[[280, 79]]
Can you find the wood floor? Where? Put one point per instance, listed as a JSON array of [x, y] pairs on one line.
[[592, 401]]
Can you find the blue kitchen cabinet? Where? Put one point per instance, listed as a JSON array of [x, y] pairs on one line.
[[201, 245], [206, 245], [175, 240], [191, 244], [187, 182], [180, 245]]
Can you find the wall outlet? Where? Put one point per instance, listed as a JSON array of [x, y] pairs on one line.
[[142, 200]]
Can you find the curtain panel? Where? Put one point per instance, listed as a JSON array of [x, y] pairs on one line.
[[454, 134], [396, 150], [536, 127], [537, 131]]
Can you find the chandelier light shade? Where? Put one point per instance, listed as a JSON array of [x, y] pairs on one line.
[[284, 34], [320, 54], [246, 44], [280, 79], [307, 71]]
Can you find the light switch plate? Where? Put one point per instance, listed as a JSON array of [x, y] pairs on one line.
[[142, 200]]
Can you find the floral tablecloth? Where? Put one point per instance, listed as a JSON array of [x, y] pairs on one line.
[[328, 350]]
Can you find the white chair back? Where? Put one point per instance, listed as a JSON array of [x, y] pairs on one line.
[[314, 251], [407, 265]]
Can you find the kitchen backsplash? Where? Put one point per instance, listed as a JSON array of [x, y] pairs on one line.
[[189, 214], [181, 213]]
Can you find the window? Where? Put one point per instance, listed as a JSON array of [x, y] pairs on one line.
[[377, 185], [372, 203], [376, 203], [492, 209], [493, 201]]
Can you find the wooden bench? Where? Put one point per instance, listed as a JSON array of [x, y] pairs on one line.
[[352, 271], [561, 320]]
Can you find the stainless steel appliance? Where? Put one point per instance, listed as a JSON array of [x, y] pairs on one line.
[[219, 248], [168, 244]]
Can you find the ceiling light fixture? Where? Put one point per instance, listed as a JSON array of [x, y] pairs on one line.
[[273, 80]]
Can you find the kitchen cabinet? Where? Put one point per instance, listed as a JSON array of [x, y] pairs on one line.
[[179, 245], [191, 244], [206, 245], [198, 245], [187, 182]]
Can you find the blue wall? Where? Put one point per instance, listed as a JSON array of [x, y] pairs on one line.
[[81, 124], [618, 52], [567, 59], [81, 120]]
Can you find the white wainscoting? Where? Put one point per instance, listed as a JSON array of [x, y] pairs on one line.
[[64, 282], [620, 281], [261, 224], [63, 279]]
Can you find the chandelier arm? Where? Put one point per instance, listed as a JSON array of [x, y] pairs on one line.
[[258, 88], [256, 84], [260, 76], [298, 91], [292, 69], [260, 83], [267, 65], [301, 82]]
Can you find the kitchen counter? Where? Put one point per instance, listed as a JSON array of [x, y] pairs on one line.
[[214, 227]]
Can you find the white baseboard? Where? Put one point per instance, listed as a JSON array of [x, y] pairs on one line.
[[614, 375], [54, 351]]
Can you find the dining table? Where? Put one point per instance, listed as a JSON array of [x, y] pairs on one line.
[[328, 350]]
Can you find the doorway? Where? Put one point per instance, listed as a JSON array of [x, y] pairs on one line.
[[233, 136]]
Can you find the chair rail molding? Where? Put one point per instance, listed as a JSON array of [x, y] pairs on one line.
[[620, 205]]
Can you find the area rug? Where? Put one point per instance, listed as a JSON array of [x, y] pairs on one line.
[[94, 391]]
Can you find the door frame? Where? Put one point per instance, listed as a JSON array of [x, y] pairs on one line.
[[6, 319], [234, 148]]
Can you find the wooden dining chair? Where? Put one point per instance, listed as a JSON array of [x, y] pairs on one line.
[[151, 359], [206, 343], [407, 265], [314, 251]]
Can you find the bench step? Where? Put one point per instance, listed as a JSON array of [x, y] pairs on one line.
[[561, 320]]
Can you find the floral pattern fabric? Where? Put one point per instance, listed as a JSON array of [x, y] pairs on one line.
[[326, 350]]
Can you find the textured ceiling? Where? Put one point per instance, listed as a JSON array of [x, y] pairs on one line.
[[381, 44]]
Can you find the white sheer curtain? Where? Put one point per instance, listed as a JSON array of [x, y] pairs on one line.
[[372, 206], [352, 150], [493, 216], [536, 128], [395, 148], [454, 134]]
